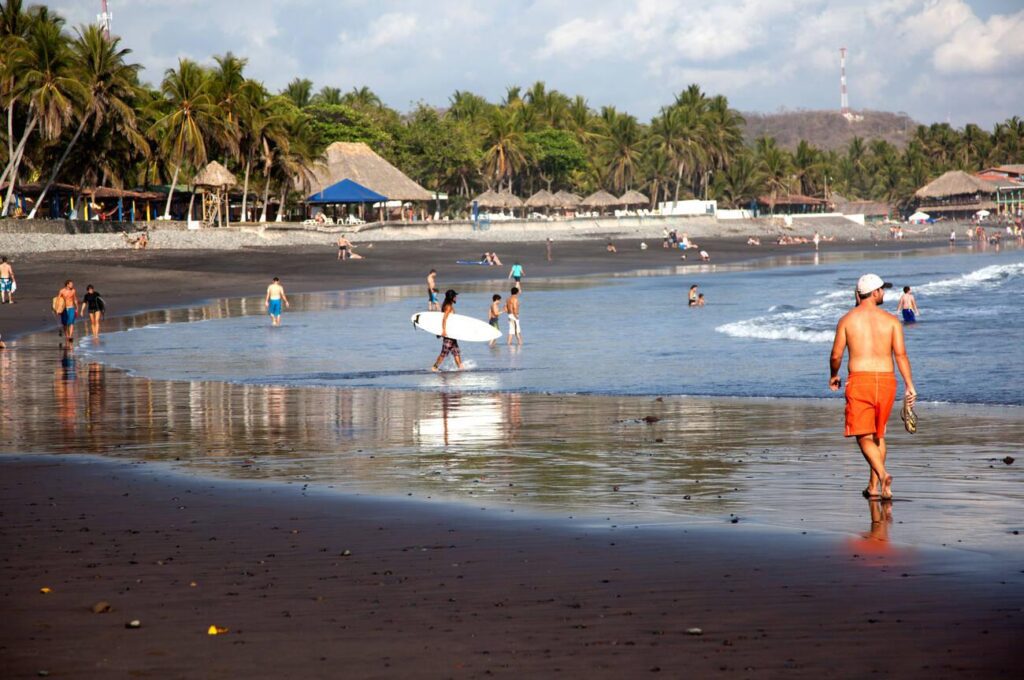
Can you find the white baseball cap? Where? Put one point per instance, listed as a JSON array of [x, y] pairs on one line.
[[870, 283]]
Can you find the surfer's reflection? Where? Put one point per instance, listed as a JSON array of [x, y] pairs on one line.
[[874, 547]]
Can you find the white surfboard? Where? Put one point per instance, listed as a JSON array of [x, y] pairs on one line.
[[459, 327]]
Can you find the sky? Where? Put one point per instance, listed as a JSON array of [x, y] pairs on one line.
[[938, 60]]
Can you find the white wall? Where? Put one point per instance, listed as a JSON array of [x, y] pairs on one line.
[[676, 208]]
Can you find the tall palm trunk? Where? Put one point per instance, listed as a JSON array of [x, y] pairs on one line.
[[15, 157], [266, 193], [191, 202], [170, 194], [284, 196], [56, 168], [11, 172], [245, 188]]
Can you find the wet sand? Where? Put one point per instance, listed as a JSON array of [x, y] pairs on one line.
[[431, 588]]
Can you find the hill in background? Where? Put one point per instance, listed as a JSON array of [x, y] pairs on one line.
[[828, 129]]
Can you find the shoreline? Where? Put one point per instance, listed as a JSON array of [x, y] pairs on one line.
[[430, 588], [310, 585]]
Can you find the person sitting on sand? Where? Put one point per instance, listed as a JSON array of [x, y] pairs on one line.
[[704, 257], [610, 247], [495, 260], [752, 241]]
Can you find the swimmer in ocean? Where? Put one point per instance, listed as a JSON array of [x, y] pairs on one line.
[[908, 306]]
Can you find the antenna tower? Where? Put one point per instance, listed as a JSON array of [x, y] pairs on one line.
[[844, 99], [104, 20]]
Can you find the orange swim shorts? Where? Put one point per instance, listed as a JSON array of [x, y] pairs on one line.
[[869, 400]]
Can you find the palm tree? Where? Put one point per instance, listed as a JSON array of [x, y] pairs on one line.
[[14, 24], [300, 91], [775, 167], [292, 159], [191, 116], [622, 149], [362, 98], [740, 183], [504, 146], [468, 107], [264, 131], [806, 167], [43, 76], [111, 86], [331, 96]]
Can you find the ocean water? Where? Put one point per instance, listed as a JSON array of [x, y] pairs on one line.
[[765, 332]]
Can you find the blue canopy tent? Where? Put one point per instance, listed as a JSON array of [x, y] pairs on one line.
[[345, 191]]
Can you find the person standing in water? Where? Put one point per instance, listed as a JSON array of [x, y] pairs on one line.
[[691, 300], [448, 345], [817, 240], [516, 274], [512, 309], [432, 305], [275, 296], [94, 305], [873, 338], [908, 306], [493, 313], [7, 282]]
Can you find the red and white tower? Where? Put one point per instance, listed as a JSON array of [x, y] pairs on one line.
[[844, 99], [104, 20]]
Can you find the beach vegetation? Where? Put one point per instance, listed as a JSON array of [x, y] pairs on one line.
[[75, 112]]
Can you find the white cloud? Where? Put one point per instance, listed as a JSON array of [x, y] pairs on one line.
[[976, 47]]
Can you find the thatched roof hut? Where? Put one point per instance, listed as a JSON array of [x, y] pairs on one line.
[[510, 200], [600, 199], [490, 199], [214, 176], [955, 183], [567, 199], [358, 162], [632, 197], [542, 199]]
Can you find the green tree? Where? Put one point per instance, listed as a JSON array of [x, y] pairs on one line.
[[556, 154], [300, 91], [331, 123], [111, 83]]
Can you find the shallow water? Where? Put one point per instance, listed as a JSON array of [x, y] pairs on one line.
[[765, 332], [475, 439]]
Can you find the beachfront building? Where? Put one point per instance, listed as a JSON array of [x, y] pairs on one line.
[[92, 204], [358, 162], [956, 195], [1009, 183], [792, 204], [873, 211]]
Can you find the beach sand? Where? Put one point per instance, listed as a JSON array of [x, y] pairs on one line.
[[428, 588]]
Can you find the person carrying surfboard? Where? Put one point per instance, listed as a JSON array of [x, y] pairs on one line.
[[448, 345]]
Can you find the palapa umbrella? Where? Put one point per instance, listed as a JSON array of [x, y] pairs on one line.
[[567, 199], [600, 199], [542, 199], [489, 199], [633, 197], [510, 200]]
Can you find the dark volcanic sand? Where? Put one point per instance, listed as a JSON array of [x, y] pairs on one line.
[[432, 591]]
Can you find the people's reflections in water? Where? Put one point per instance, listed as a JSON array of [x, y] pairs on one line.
[[874, 546], [94, 404], [65, 391]]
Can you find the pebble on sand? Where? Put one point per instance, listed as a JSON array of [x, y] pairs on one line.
[[101, 607], [1008, 460], [694, 631], [134, 623]]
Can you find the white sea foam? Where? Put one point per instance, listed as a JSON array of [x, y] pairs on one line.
[[816, 322]]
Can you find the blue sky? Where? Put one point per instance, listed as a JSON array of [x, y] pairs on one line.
[[956, 60]]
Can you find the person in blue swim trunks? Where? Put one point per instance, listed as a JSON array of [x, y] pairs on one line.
[[65, 304], [275, 297], [432, 304], [908, 306]]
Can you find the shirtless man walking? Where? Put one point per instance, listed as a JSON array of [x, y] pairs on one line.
[[275, 296], [874, 338], [512, 309], [7, 282], [908, 306], [432, 303], [67, 316]]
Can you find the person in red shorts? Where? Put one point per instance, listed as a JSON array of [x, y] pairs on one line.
[[874, 338]]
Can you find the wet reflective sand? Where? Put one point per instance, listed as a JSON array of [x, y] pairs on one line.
[[607, 459]]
